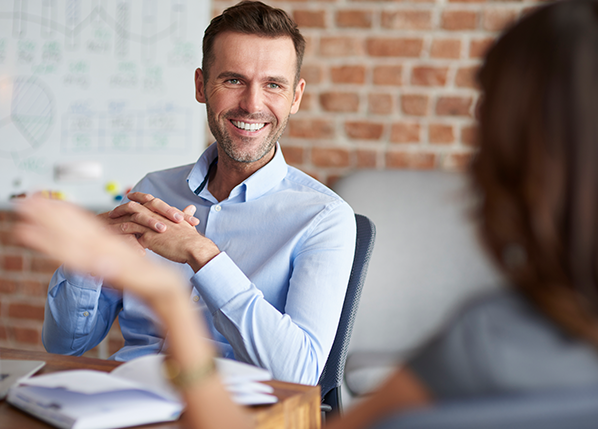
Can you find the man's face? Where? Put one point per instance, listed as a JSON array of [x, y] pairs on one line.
[[250, 93]]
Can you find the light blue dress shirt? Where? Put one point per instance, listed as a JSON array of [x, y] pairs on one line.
[[272, 297]]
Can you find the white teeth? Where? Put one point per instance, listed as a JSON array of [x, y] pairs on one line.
[[248, 127]]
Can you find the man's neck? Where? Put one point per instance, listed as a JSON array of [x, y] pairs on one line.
[[228, 174]]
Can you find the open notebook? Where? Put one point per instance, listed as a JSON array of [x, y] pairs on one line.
[[136, 392], [12, 371]]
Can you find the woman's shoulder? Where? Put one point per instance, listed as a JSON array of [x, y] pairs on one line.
[[501, 343]]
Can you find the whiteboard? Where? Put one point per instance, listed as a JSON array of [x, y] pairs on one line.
[[94, 94]]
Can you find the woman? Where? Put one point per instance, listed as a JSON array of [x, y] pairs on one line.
[[538, 208]]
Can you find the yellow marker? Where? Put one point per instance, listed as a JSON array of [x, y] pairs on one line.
[[112, 188]]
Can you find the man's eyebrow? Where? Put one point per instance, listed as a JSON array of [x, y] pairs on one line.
[[277, 79], [230, 75], [233, 75]]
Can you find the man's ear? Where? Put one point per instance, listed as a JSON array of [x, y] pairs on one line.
[[200, 90], [298, 95]]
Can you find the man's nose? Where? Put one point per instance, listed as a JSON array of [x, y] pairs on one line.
[[252, 100]]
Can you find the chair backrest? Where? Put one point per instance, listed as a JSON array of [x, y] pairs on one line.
[[332, 376], [426, 264]]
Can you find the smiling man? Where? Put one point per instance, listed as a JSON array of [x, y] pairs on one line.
[[266, 248]]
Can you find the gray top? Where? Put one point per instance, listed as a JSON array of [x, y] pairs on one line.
[[502, 344]]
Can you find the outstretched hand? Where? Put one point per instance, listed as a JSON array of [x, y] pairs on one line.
[[75, 237]]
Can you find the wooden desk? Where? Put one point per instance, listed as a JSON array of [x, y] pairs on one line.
[[298, 406]]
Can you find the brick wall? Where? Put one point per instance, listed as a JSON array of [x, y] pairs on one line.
[[390, 84]]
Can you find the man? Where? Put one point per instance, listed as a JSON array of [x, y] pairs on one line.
[[269, 250]]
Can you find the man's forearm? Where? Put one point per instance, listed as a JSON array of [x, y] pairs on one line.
[[73, 319]]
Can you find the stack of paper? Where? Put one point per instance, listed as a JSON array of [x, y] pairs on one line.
[[134, 393]]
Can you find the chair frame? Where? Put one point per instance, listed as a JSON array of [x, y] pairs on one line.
[[332, 376]]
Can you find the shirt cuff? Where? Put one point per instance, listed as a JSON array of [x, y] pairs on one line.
[[219, 281]]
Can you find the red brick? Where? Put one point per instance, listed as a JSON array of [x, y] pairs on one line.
[[12, 262], [33, 287], [310, 18], [307, 102], [415, 104], [388, 75], [454, 106], [312, 73], [7, 238], [446, 48], [311, 128], [26, 311], [293, 154], [339, 101], [3, 333], [354, 19], [8, 285], [348, 74], [380, 104], [459, 161], [429, 76], [498, 19], [467, 77], [310, 46], [330, 157], [8, 216], [479, 47], [441, 133], [340, 47], [366, 158], [26, 335], [405, 132], [394, 47], [415, 160], [407, 19], [40, 264], [458, 20], [469, 135], [364, 130]]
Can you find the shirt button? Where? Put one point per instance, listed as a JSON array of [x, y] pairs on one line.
[[196, 298], [86, 313], [217, 208]]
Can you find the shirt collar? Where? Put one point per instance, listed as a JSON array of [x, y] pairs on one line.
[[260, 182]]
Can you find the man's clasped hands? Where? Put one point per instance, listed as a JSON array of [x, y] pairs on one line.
[[147, 222]]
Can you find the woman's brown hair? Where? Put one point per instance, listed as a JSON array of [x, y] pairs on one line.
[[536, 168]]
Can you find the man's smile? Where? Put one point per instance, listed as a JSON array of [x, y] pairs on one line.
[[247, 126]]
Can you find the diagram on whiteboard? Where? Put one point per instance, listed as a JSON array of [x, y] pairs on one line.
[[102, 82], [27, 122]]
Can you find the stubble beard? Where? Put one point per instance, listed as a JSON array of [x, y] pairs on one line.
[[235, 151]]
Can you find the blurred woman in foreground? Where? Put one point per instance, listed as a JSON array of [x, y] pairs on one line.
[[538, 189]]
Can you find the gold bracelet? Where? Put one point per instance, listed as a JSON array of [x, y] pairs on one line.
[[183, 379]]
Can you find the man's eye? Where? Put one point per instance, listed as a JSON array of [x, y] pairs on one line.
[[273, 85], [234, 81]]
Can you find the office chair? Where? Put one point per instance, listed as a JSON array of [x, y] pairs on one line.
[[332, 376]]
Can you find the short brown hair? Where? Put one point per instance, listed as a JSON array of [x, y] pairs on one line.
[[253, 17]]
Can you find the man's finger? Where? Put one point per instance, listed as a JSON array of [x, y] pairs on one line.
[[188, 212], [140, 197], [125, 209], [160, 207]]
